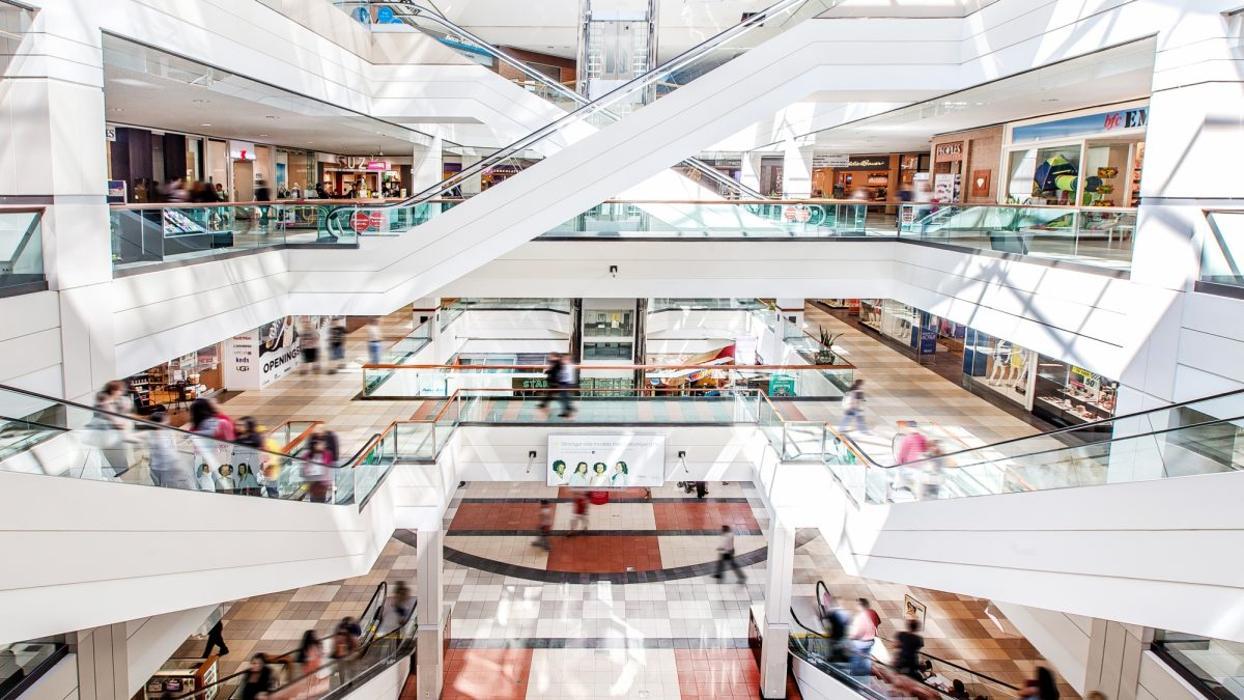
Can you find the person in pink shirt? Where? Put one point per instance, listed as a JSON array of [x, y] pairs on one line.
[[913, 445], [863, 635]]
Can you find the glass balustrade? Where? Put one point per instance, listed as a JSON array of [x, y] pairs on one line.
[[1098, 236], [779, 381], [51, 437], [1204, 436], [1212, 666], [21, 250], [714, 219]]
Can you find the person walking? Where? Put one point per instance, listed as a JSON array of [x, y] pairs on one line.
[[853, 408], [579, 520], [263, 193], [567, 380], [836, 622], [907, 659], [725, 555], [374, 339], [552, 378], [546, 525], [309, 345], [337, 344], [863, 636], [216, 640]]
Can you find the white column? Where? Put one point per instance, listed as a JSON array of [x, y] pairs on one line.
[[430, 643], [749, 171], [471, 185], [796, 171], [54, 156], [428, 168], [1113, 665], [103, 665], [792, 316], [777, 622], [1193, 127]]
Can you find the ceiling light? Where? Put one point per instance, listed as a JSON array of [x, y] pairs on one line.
[[116, 109], [262, 136], [200, 101], [269, 116], [205, 124]]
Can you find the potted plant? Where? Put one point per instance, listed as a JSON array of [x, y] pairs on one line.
[[826, 355]]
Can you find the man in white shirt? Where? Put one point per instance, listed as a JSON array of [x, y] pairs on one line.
[[725, 552]]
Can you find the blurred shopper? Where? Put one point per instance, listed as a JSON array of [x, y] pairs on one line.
[[309, 344], [374, 339], [272, 464], [216, 640], [310, 653], [351, 627], [912, 445], [546, 524], [258, 679], [907, 657], [1042, 687], [331, 444], [552, 377], [246, 454], [316, 472], [344, 645], [853, 408], [579, 520], [227, 430], [166, 469], [263, 193], [934, 467], [701, 490], [863, 636], [337, 343], [725, 555], [959, 691], [112, 436], [209, 430], [221, 194], [836, 622], [401, 601], [567, 380]]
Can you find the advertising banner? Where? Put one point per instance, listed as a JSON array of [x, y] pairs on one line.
[[606, 461], [278, 349]]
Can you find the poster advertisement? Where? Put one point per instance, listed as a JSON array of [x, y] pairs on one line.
[[257, 358], [606, 461], [946, 187]]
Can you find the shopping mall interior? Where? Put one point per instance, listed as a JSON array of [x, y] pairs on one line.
[[667, 349]]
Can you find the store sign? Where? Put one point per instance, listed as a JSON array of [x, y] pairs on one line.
[[110, 133], [606, 461], [866, 163], [241, 150], [1083, 125], [948, 152], [831, 160], [380, 165], [353, 162]]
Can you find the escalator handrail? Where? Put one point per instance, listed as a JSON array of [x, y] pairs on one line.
[[1083, 426], [557, 87], [821, 584], [381, 594], [136, 421], [640, 82]]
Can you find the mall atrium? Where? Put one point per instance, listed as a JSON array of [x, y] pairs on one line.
[[665, 349]]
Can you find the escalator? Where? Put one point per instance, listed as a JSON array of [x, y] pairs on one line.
[[384, 641], [431, 23], [934, 678], [590, 117]]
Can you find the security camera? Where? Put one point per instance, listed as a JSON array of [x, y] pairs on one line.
[[613, 270]]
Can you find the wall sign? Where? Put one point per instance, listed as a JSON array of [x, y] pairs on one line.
[[867, 163], [380, 165], [948, 152], [606, 461], [830, 160], [1083, 125], [257, 358], [110, 133], [980, 182], [241, 150]]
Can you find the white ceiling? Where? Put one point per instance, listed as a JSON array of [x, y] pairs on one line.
[[1112, 75], [146, 87]]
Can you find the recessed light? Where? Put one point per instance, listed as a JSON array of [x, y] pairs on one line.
[[205, 124], [263, 136]]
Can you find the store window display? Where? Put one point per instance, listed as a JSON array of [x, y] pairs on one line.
[[1071, 395], [893, 319], [1000, 366]]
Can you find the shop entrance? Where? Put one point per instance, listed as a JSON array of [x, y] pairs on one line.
[[243, 181]]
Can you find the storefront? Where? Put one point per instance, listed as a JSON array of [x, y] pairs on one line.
[[173, 385], [893, 319], [1090, 158], [963, 166], [367, 177], [1058, 392], [865, 178]]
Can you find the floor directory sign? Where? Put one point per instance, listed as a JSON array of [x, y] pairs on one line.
[[606, 461]]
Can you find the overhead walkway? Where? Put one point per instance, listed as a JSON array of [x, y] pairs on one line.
[[1029, 521]]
